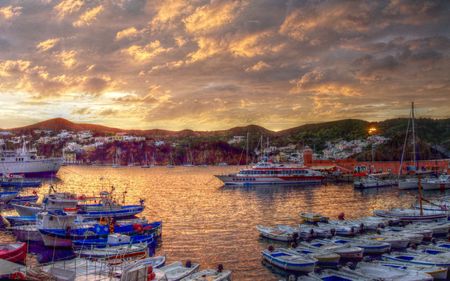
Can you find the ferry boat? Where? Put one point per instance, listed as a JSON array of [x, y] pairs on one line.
[[28, 163], [266, 173]]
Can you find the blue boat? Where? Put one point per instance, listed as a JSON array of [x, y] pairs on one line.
[[20, 182], [289, 260], [114, 240], [97, 211], [100, 230], [419, 258], [18, 220], [6, 196], [25, 199]]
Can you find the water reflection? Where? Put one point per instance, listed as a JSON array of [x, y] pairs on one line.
[[211, 224]]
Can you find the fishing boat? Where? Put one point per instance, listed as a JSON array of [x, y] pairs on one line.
[[26, 233], [177, 271], [154, 262], [309, 231], [417, 234], [24, 199], [379, 272], [438, 229], [418, 258], [289, 259], [397, 242], [52, 201], [97, 211], [14, 252], [115, 252], [413, 238], [19, 181], [412, 215], [370, 247], [438, 273], [6, 196], [313, 217], [324, 258], [210, 275], [347, 252], [265, 173], [114, 240], [55, 220], [342, 228], [26, 209], [374, 181], [20, 220], [279, 233]]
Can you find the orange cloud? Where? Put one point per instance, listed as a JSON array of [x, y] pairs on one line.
[[127, 33], [88, 17], [10, 12], [67, 58], [47, 44], [147, 52], [259, 66], [67, 7]]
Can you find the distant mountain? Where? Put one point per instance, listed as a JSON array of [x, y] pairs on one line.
[[58, 124]]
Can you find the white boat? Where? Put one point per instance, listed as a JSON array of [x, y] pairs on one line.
[[55, 220], [441, 183], [154, 262], [347, 252], [28, 163], [396, 241], [413, 238], [27, 210], [438, 260], [370, 247], [374, 181], [279, 233], [177, 271], [309, 231], [26, 233], [289, 260], [438, 229], [210, 275], [265, 173], [52, 201], [438, 273], [330, 274], [324, 258], [412, 215], [6, 196], [408, 183], [139, 250], [379, 272], [341, 228]]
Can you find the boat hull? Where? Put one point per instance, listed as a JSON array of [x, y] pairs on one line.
[[435, 186], [257, 181], [32, 168], [53, 241], [26, 211], [16, 254], [27, 233], [304, 267]]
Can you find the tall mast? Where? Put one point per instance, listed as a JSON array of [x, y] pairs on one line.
[[413, 135], [246, 150]]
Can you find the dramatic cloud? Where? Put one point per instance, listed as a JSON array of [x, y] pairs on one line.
[[213, 64]]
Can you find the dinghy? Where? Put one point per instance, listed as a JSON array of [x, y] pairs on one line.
[[439, 229], [154, 262], [419, 258], [19, 182], [324, 258], [347, 252], [26, 209], [114, 252], [412, 215], [329, 275], [6, 196], [177, 271], [289, 260], [379, 272], [341, 229], [438, 273], [14, 252], [210, 275], [19, 220], [24, 199], [396, 242], [309, 231], [413, 238], [370, 247], [276, 233]]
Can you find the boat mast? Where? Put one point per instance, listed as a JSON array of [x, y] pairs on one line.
[[246, 151], [413, 136]]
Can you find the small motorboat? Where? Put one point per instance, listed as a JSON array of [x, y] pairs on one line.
[[376, 271], [19, 182], [371, 247], [291, 260], [341, 229], [20, 220], [279, 233], [26, 233], [396, 242], [115, 252], [324, 258], [411, 236], [438, 260], [438, 273], [347, 252], [114, 240], [154, 262], [26, 209], [6, 196], [330, 274], [177, 271], [210, 275], [14, 252], [313, 217], [412, 215], [438, 229], [440, 246], [309, 231]]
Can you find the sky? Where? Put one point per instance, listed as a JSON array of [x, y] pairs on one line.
[[208, 65]]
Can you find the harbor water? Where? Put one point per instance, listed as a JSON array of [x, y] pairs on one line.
[[210, 224]]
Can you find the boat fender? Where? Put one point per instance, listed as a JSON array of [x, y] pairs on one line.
[[351, 265], [270, 248], [311, 232], [295, 236], [68, 229], [188, 263], [294, 245], [361, 228], [149, 269], [333, 231], [413, 246], [352, 230], [27, 204], [219, 267], [151, 276], [341, 216]]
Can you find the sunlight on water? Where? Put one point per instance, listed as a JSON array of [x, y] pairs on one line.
[[210, 224]]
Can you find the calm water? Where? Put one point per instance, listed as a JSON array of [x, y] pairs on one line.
[[210, 224]]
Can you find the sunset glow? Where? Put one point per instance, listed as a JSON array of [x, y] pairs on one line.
[[209, 65]]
